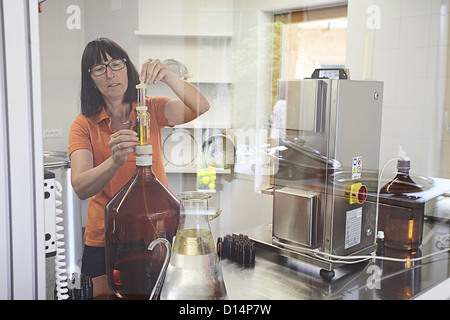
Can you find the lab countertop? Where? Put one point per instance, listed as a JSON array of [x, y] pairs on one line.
[[279, 277], [275, 277]]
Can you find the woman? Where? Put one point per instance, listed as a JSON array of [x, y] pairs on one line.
[[101, 140]]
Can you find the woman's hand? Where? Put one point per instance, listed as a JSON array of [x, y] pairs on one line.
[[153, 71], [122, 143], [88, 180], [190, 104]]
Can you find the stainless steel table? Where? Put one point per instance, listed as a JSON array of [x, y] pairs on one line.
[[275, 277]]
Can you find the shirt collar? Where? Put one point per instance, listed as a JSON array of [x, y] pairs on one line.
[[104, 116]]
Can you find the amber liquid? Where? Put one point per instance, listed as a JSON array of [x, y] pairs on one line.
[[403, 226], [142, 128], [402, 183], [408, 274], [144, 135], [142, 211], [124, 281]]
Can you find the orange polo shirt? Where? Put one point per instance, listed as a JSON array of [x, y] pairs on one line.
[[93, 134]]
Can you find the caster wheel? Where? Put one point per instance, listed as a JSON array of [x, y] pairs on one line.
[[327, 275]]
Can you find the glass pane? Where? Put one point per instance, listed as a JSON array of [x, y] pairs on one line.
[[313, 45], [235, 52]]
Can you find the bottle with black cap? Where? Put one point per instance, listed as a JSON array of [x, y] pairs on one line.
[[402, 183], [401, 209]]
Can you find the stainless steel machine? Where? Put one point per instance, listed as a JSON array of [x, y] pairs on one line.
[[328, 127]]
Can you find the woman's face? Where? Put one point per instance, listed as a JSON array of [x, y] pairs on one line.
[[112, 84]]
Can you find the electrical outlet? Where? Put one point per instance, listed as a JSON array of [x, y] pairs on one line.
[[53, 133]]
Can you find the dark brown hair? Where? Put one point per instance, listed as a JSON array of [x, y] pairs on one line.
[[96, 50]]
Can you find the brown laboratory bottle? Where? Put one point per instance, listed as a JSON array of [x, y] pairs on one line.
[[402, 183], [142, 211], [401, 215]]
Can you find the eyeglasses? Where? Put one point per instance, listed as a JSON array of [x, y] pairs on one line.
[[100, 69]]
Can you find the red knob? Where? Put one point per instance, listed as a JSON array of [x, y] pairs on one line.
[[362, 194]]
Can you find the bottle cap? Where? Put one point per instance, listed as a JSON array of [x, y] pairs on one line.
[[404, 164], [141, 108], [144, 150], [144, 160], [141, 85]]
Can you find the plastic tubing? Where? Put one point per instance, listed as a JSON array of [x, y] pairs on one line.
[[60, 258]]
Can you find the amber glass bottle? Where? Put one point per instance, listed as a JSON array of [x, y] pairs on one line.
[[142, 211], [401, 215], [402, 183]]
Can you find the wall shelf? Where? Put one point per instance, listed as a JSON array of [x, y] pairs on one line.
[[209, 81], [192, 169], [183, 35]]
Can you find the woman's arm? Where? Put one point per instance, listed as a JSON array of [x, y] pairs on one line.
[[88, 180], [191, 104]]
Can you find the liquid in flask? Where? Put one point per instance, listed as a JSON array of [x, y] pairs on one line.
[[194, 271]]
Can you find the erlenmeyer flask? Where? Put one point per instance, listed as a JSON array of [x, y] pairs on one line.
[[142, 213], [194, 271]]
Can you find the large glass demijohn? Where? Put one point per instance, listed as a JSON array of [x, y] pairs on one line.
[[137, 218]]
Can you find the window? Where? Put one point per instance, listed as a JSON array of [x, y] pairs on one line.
[[310, 39], [312, 45]]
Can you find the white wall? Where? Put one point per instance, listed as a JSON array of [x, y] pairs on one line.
[[114, 19], [61, 50], [410, 56], [62, 45]]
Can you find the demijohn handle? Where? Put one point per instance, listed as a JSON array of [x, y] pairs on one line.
[[159, 282]]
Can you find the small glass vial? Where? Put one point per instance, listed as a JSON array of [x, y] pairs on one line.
[[142, 125]]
